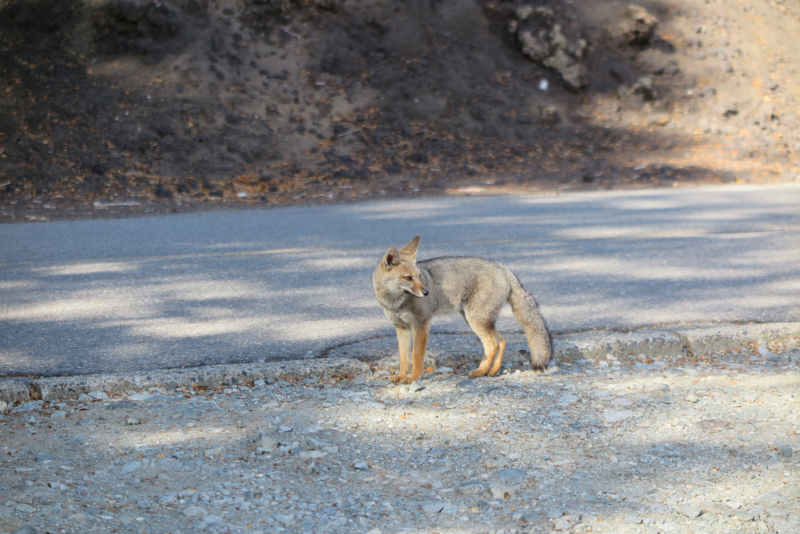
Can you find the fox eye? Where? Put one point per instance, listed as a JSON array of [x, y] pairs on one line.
[[407, 278]]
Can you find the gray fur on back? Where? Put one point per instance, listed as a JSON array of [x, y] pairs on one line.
[[478, 288]]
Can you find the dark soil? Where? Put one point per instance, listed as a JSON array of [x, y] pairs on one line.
[[125, 107]]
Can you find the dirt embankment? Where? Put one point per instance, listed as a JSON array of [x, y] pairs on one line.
[[180, 104]]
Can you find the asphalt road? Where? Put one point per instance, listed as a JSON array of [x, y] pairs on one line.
[[222, 287]]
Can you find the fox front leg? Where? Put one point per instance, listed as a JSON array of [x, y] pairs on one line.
[[418, 355], [404, 348]]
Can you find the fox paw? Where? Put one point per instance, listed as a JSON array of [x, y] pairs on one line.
[[476, 373], [400, 378]]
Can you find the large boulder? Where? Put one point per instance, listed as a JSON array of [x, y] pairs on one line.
[[544, 42], [636, 27]]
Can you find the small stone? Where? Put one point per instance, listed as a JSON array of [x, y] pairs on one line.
[[169, 498], [27, 529], [450, 509], [549, 115], [523, 12], [3, 406], [444, 370], [44, 458], [414, 387], [733, 505], [689, 510], [130, 467], [83, 397], [211, 519], [259, 383], [120, 405], [511, 476], [561, 525], [744, 515], [777, 513], [360, 466], [272, 404], [312, 455], [769, 497], [711, 507], [432, 507], [144, 504], [30, 406], [131, 421], [501, 491], [659, 119], [79, 517], [310, 468], [633, 520], [615, 416], [98, 395], [656, 387], [268, 444], [786, 451], [713, 424], [764, 352], [473, 487], [691, 398], [213, 452]]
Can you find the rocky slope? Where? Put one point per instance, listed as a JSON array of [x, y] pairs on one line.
[[140, 105]]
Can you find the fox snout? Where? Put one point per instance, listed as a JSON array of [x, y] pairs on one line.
[[418, 290]]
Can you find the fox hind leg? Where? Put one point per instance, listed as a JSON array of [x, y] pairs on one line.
[[498, 359], [488, 336]]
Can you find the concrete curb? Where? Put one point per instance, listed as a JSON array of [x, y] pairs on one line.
[[14, 389], [65, 387], [706, 339], [349, 360]]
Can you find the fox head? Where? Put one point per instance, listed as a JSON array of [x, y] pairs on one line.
[[399, 273]]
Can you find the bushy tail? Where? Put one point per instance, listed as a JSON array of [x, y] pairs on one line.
[[527, 313]]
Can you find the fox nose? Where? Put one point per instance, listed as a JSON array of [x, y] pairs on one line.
[[424, 292]]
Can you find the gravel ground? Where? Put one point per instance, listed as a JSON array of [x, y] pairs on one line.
[[673, 445]]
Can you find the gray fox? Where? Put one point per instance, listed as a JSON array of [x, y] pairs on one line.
[[412, 293]]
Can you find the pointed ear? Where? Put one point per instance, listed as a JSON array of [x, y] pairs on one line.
[[411, 248], [391, 259]]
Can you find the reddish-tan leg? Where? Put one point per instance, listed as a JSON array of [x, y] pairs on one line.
[[404, 348], [418, 353], [498, 359], [490, 347]]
